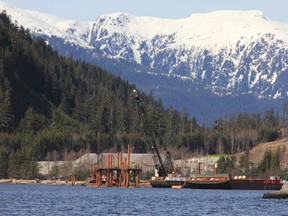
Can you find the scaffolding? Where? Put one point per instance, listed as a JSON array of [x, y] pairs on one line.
[[117, 174]]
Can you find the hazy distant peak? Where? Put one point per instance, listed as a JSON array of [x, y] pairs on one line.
[[227, 14]]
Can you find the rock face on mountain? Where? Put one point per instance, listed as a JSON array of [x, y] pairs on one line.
[[212, 64], [243, 54]]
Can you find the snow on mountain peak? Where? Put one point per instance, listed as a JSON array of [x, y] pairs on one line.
[[223, 50], [219, 29], [40, 23], [116, 18]]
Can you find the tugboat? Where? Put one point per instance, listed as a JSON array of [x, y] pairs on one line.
[[170, 181]]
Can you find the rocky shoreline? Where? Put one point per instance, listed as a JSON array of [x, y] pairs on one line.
[[46, 182], [57, 182], [281, 194]]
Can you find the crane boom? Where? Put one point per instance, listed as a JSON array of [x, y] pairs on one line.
[[162, 168]]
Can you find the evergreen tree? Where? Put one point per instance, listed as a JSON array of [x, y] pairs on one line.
[[4, 162], [6, 110], [227, 164], [33, 122], [244, 162], [265, 164]]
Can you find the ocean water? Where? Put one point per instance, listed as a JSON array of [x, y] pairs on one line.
[[79, 200]]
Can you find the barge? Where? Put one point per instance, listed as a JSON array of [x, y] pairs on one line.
[[208, 181], [256, 184], [218, 181]]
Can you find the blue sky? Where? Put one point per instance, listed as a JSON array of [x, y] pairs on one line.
[[88, 10]]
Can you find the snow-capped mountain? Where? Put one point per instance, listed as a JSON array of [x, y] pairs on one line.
[[225, 51], [222, 53]]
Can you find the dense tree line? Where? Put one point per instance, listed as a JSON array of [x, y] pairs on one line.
[[50, 103]]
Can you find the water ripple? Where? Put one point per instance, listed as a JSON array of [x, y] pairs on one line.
[[67, 200]]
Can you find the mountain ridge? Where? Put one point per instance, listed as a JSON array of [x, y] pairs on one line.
[[243, 55]]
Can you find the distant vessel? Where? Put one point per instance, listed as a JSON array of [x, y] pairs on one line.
[[219, 181], [168, 182], [273, 183], [208, 181]]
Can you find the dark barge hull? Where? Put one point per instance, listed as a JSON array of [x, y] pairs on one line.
[[255, 184], [252, 184], [165, 184], [223, 185]]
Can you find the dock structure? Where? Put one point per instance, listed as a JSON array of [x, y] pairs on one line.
[[116, 173]]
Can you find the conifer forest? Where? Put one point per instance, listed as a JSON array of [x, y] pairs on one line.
[[50, 103]]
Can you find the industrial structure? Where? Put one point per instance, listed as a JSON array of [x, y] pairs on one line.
[[116, 173], [162, 169]]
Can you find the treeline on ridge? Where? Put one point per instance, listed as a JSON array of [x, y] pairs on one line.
[[50, 103]]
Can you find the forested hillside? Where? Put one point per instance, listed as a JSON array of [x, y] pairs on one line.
[[53, 104]]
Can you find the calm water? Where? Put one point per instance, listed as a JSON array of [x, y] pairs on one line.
[[68, 200]]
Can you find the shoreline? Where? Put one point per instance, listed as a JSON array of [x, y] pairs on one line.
[[281, 194], [44, 182], [58, 182]]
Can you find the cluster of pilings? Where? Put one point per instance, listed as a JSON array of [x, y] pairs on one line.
[[117, 174]]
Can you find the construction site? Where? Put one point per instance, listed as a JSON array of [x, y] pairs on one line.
[[123, 170], [118, 173], [114, 164]]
